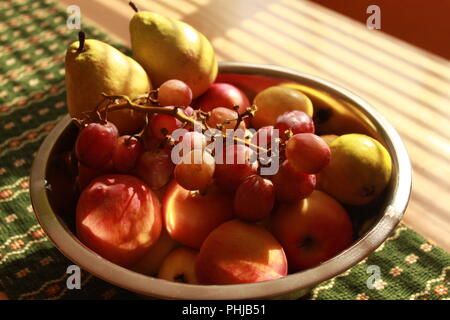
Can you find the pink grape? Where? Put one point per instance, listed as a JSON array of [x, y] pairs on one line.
[[296, 121], [95, 144], [174, 93], [220, 115], [196, 170], [155, 168], [192, 140], [234, 165], [189, 111], [127, 152], [307, 152], [254, 198], [291, 185]]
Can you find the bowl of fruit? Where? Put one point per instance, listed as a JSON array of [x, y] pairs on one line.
[[177, 177]]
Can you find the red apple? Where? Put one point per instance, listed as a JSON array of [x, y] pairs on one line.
[[179, 266], [189, 216], [239, 252], [311, 230], [223, 95], [119, 217]]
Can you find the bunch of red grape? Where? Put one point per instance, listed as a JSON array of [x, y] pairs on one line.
[[100, 150], [235, 165]]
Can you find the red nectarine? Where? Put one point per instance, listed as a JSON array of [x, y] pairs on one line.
[[118, 217], [311, 230], [190, 216], [240, 252]]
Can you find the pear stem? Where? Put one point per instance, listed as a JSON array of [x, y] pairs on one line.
[[81, 38], [133, 6]]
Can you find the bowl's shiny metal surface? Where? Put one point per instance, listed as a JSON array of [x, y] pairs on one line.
[[395, 203]]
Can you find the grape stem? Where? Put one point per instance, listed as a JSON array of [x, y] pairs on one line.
[[149, 106]]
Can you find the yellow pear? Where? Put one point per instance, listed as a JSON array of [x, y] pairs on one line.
[[95, 67], [171, 49], [359, 170]]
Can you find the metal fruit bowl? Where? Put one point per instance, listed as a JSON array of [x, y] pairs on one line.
[[53, 213]]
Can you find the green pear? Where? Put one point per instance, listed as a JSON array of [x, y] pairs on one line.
[[171, 49], [97, 67]]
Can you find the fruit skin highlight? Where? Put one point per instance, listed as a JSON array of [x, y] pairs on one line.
[[239, 252], [311, 230], [171, 49], [118, 217], [359, 170]]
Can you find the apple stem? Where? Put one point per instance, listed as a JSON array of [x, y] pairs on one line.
[[81, 39], [133, 6]]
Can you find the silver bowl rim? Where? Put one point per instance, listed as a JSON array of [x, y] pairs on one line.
[[142, 284]]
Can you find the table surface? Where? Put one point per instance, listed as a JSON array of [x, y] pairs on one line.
[[409, 86]]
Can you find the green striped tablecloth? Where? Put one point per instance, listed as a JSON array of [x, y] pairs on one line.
[[33, 39]]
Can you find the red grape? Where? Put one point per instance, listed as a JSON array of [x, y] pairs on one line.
[[155, 168], [162, 124], [151, 142], [291, 185], [127, 152], [296, 121], [196, 170], [233, 165], [223, 95], [174, 93], [95, 144], [263, 137], [254, 198], [307, 152]]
